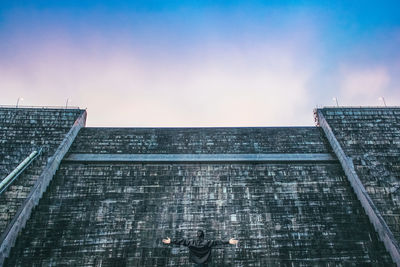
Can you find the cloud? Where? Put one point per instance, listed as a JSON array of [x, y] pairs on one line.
[[238, 78], [222, 86], [363, 85]]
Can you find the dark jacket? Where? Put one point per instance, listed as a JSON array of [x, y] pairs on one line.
[[199, 249]]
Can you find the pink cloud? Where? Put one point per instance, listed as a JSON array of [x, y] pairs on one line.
[[218, 83], [364, 85]]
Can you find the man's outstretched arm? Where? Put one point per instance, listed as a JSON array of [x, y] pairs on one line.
[[231, 241], [166, 241], [183, 241]]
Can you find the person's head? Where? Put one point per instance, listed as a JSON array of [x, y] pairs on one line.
[[200, 234]]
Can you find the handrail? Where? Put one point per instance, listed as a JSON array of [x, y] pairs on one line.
[[8, 237], [364, 107], [6, 182], [38, 107]]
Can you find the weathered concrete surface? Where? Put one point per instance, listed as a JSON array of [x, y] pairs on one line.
[[115, 213], [369, 206], [21, 216], [102, 213], [199, 157], [371, 138], [201, 140], [22, 131]]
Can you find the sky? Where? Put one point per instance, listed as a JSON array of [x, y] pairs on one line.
[[199, 63]]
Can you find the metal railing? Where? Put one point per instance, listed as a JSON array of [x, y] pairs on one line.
[[6, 182], [38, 107], [10, 234], [344, 107]]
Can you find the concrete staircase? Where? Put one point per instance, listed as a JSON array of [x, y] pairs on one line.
[[23, 130], [371, 137]]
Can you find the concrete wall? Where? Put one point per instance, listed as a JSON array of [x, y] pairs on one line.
[[109, 214], [22, 131], [371, 209], [371, 139], [25, 130], [201, 140]]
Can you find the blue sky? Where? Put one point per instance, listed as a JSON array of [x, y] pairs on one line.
[[199, 63]]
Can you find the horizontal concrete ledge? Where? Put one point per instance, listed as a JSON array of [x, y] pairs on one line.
[[199, 157]]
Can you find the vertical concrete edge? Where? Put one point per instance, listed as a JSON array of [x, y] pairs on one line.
[[10, 234], [371, 210]]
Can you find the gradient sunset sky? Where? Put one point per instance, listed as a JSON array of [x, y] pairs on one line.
[[199, 63]]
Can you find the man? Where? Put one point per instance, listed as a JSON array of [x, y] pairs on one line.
[[199, 249]]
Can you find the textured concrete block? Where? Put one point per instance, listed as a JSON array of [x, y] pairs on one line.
[[116, 213], [284, 213], [21, 132], [371, 138], [201, 140]]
